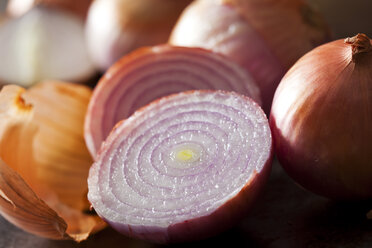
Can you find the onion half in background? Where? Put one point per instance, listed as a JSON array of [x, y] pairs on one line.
[[184, 167], [117, 27], [153, 72]]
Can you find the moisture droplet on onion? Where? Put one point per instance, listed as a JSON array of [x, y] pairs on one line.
[[153, 72], [184, 167]]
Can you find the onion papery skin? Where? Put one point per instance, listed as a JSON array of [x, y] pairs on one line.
[[321, 122], [44, 161], [116, 27], [42, 220], [265, 36], [140, 186], [153, 72]]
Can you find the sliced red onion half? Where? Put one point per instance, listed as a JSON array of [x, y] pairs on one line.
[[184, 167], [153, 72]]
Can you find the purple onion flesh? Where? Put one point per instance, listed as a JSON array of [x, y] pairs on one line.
[[182, 168]]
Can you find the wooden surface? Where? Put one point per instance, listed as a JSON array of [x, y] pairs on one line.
[[285, 216]]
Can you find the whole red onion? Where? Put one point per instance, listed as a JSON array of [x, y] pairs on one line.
[[321, 119], [153, 72], [182, 168], [265, 36]]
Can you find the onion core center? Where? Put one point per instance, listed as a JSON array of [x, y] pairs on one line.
[[184, 155]]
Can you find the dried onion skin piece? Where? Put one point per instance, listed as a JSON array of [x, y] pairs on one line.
[[44, 161], [16, 197], [184, 167], [45, 221], [153, 72]]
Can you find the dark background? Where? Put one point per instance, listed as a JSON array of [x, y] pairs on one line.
[[346, 17]]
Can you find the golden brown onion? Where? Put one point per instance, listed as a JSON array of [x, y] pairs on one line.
[[44, 161]]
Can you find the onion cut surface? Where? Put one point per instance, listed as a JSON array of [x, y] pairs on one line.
[[182, 168], [153, 72]]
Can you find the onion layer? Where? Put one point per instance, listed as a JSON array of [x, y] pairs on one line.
[[184, 167], [265, 36], [150, 73], [321, 119]]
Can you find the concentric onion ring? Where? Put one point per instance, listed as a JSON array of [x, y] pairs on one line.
[[153, 72], [182, 168]]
